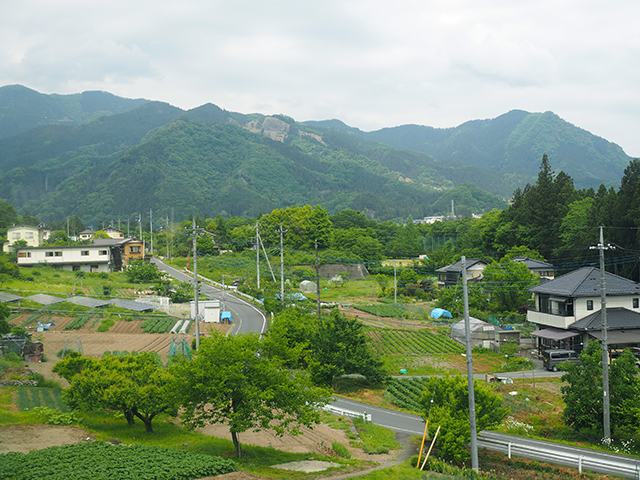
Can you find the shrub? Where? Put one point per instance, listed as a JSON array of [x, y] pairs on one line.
[[341, 450]]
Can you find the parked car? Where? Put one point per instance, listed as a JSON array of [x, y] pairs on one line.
[[552, 358]]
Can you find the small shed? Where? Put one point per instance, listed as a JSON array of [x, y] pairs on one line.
[[225, 317], [480, 332], [208, 310]]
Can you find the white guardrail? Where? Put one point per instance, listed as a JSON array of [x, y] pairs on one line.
[[347, 413], [582, 459], [226, 287]]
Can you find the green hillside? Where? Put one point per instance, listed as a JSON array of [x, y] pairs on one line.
[[512, 143], [189, 166], [22, 109]]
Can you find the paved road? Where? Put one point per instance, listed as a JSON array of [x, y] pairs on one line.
[[246, 317]]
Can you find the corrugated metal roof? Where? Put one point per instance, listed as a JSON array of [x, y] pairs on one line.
[[87, 302], [45, 299], [585, 282], [131, 305], [8, 297]]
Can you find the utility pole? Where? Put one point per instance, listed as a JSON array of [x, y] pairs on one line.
[[282, 232], [195, 281], [151, 228], [606, 420], [141, 237], [318, 282], [472, 400], [395, 284], [257, 256], [128, 234], [168, 253]]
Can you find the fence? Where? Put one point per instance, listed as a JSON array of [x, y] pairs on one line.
[[579, 458]]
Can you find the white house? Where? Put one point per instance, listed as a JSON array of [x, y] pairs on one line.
[[566, 308], [34, 236], [88, 258]]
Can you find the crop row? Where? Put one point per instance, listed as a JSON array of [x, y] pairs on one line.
[[30, 397], [405, 393], [103, 460], [404, 342], [383, 310], [79, 322], [158, 325]]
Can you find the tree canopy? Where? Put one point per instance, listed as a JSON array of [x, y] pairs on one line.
[[232, 380]]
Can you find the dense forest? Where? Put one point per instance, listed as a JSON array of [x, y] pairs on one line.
[[549, 219]]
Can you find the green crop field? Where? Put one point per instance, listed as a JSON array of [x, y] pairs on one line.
[[31, 397], [416, 342]]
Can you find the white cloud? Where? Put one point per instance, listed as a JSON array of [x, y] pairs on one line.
[[370, 63]]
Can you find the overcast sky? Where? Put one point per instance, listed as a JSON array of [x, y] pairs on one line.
[[371, 64]]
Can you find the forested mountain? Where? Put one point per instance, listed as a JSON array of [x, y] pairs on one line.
[[512, 143], [153, 156], [22, 109]]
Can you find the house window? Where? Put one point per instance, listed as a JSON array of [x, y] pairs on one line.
[[15, 235], [635, 302], [135, 249], [589, 304], [84, 253], [76, 268], [28, 235], [102, 252], [24, 254], [58, 254], [48, 254]]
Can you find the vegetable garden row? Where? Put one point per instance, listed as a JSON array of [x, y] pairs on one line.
[[405, 342], [405, 393], [101, 460]]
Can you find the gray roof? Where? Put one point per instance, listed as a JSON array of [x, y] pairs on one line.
[[8, 297], [87, 302], [131, 305], [585, 282], [532, 263], [618, 318], [457, 267], [110, 242], [45, 299]]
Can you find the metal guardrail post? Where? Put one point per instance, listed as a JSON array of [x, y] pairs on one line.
[[580, 463], [509, 449]]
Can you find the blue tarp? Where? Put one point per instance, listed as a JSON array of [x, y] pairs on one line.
[[225, 316], [439, 312]]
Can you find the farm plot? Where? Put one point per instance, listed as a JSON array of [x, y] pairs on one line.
[[384, 310], [411, 342], [405, 393]]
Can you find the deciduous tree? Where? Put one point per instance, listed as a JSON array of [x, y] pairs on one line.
[[231, 380]]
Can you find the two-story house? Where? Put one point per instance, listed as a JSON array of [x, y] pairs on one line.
[[542, 269], [566, 309], [452, 274], [34, 236], [130, 248], [88, 258]]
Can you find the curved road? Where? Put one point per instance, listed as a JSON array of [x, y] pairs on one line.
[[246, 317]]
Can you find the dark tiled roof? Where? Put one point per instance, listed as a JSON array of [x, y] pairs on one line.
[[457, 267], [531, 263], [618, 318], [585, 282]]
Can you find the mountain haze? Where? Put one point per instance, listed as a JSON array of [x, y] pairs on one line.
[[114, 158], [512, 143]]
